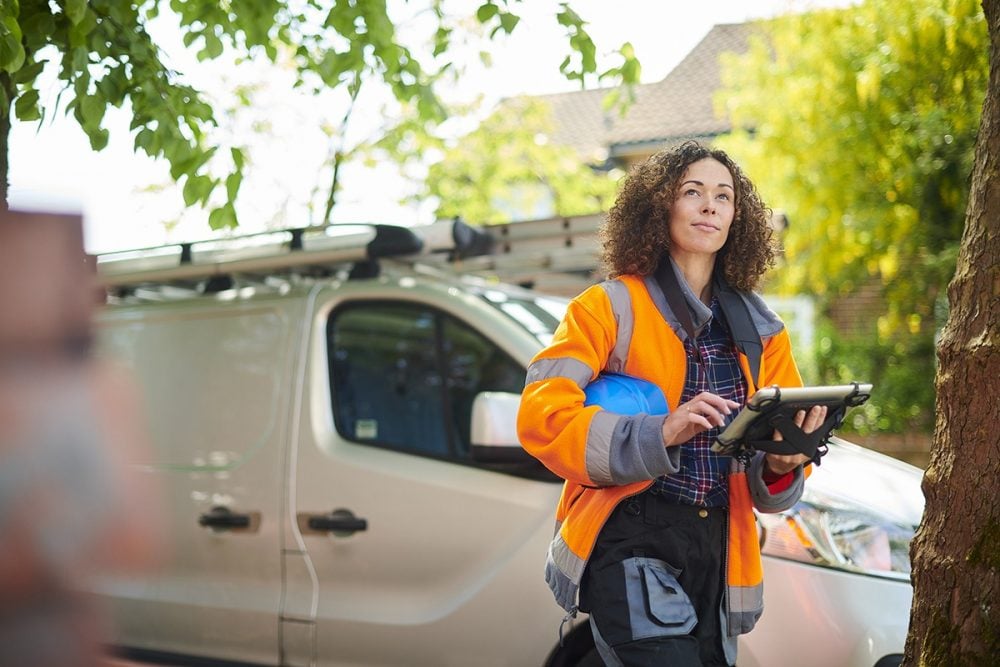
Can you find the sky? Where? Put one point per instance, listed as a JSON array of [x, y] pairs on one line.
[[53, 167]]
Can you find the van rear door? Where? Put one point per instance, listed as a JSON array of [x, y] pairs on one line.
[[216, 379]]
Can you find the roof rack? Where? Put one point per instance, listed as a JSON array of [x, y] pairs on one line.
[[287, 250]]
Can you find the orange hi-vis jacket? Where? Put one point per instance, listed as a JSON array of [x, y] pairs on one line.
[[625, 326]]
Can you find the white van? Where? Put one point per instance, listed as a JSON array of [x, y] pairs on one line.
[[334, 431]]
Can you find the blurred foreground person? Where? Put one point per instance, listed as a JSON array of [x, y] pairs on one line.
[[70, 506]]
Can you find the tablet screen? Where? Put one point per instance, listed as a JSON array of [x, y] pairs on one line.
[[755, 422]]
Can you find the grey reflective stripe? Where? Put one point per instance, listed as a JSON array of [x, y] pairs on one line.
[[621, 306], [563, 572], [566, 367], [602, 429], [746, 603]]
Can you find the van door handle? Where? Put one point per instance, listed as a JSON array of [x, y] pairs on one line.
[[340, 522], [221, 518]]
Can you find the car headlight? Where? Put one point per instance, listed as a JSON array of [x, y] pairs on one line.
[[840, 535]]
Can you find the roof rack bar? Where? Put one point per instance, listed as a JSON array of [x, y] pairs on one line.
[[288, 249], [296, 251]]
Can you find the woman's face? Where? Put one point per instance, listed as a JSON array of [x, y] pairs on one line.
[[703, 209]]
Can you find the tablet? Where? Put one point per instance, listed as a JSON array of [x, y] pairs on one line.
[[753, 427]]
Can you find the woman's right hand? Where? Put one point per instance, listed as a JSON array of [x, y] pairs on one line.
[[703, 412]]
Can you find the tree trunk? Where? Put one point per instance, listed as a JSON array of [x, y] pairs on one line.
[[9, 90], [955, 620]]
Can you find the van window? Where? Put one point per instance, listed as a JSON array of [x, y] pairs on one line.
[[539, 314], [403, 376]]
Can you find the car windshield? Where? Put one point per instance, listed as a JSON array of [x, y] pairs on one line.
[[539, 314]]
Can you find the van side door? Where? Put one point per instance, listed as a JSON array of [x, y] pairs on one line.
[[420, 555]]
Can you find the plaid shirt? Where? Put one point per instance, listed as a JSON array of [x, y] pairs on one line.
[[712, 365]]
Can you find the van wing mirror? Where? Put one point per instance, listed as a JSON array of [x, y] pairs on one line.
[[494, 437], [494, 420]]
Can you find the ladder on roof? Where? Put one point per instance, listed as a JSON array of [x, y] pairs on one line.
[[555, 255]]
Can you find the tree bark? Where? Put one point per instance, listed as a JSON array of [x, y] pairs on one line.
[[9, 90], [955, 618]]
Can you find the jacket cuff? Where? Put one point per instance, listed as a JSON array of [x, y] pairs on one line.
[[635, 451], [651, 430], [763, 499]]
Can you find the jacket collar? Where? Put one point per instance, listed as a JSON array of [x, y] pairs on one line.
[[767, 322]]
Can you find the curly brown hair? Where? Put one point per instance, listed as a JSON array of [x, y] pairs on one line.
[[636, 234]]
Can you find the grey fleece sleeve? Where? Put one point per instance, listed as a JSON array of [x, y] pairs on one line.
[[633, 452], [762, 498]]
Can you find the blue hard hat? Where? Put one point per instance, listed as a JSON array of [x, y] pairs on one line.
[[625, 395]]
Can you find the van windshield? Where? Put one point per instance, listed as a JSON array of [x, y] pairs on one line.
[[539, 314]]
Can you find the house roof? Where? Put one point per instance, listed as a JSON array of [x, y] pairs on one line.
[[676, 108]]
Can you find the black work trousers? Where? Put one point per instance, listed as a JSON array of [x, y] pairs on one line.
[[654, 584]]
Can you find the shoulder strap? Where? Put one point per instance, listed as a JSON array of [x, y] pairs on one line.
[[741, 326], [667, 280]]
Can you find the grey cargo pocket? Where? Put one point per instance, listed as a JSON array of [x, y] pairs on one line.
[[658, 606]]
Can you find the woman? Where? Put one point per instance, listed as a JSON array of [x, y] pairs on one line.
[[655, 532]]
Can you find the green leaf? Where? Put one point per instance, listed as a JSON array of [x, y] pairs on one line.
[[588, 55], [80, 33], [239, 159], [486, 12], [26, 105], [201, 158], [509, 22], [27, 75], [224, 216], [442, 40], [178, 153], [216, 219], [112, 87], [81, 58], [631, 70], [197, 189], [98, 138], [38, 27], [568, 17], [233, 182], [213, 47], [75, 9], [146, 140], [11, 50], [93, 107], [380, 29]]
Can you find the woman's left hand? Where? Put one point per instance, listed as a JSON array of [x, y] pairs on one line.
[[782, 464]]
